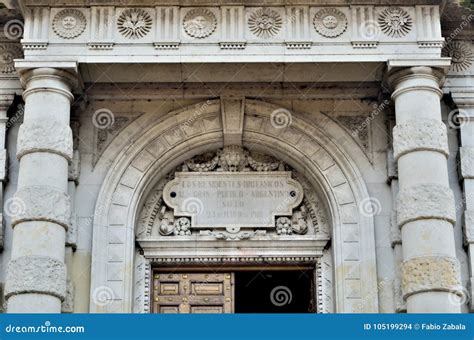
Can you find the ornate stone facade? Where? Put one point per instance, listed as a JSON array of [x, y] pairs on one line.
[[236, 135]]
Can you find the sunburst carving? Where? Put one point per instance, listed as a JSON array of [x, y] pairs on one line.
[[265, 23], [395, 22], [461, 55], [134, 23]]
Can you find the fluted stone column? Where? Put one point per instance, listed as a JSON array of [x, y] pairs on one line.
[[36, 274], [425, 203]]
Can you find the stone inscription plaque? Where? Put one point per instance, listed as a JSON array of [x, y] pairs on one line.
[[233, 199]]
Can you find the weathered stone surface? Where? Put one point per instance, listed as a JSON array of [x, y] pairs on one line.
[[425, 201], [468, 226], [36, 274], [430, 273], [42, 203], [467, 162], [418, 135], [45, 137]]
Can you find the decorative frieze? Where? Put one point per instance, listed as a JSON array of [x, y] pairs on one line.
[[36, 274], [38, 137], [425, 201], [421, 134], [430, 273], [42, 203], [238, 27], [69, 23]]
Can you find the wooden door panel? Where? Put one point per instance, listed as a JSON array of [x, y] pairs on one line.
[[193, 293]]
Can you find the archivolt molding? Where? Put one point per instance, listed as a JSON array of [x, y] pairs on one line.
[[183, 134]]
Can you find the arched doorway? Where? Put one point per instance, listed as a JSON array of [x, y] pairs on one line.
[[184, 134]]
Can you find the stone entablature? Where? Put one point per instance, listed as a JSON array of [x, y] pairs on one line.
[[300, 32]]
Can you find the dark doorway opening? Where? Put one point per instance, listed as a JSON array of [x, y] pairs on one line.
[[289, 291]]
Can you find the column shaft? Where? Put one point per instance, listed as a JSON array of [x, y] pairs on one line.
[[36, 274], [425, 203]]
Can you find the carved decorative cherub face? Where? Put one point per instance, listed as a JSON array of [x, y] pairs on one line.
[[330, 21], [200, 22], [69, 22]]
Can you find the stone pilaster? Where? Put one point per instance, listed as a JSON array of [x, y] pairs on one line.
[[464, 99], [5, 101], [430, 275], [36, 274]]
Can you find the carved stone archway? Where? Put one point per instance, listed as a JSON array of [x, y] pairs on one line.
[[185, 133]]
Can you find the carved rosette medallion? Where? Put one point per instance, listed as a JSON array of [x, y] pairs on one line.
[[199, 23], [330, 22], [8, 53], [69, 23], [461, 55], [134, 23], [265, 23], [395, 22]]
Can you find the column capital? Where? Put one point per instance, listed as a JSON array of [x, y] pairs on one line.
[[415, 77], [62, 76]]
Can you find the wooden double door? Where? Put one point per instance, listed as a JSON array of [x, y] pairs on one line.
[[194, 293]]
